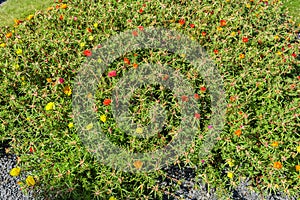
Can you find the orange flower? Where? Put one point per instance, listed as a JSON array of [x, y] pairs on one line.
[[61, 17], [242, 56], [297, 168], [232, 98], [138, 164], [126, 60], [223, 22], [274, 144], [134, 33], [277, 165], [8, 35], [238, 132], [50, 8], [18, 22], [181, 21], [89, 30], [135, 65]]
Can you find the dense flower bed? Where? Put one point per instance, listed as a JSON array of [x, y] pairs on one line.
[[252, 43]]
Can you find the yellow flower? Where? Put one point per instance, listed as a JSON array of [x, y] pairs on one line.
[[298, 149], [242, 56], [49, 106], [89, 126], [2, 45], [297, 168], [30, 17], [95, 25], [50, 8], [71, 125], [139, 130], [64, 6], [91, 38], [276, 37], [227, 0], [82, 44], [274, 144], [230, 175], [230, 163], [30, 181], [183, 55], [219, 28], [233, 34], [99, 60], [67, 90], [15, 171], [19, 51], [103, 118], [112, 198], [16, 66], [248, 5], [279, 53]]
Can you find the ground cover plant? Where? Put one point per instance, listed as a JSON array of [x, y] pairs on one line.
[[252, 43]]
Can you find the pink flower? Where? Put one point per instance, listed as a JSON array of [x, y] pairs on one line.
[[210, 126], [112, 74], [75, 18], [61, 80], [202, 161]]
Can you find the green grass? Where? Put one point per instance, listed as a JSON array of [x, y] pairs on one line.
[[16, 9], [293, 6]]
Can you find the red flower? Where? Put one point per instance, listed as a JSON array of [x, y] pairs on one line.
[[223, 22], [181, 21], [31, 150], [216, 51], [245, 39], [298, 77], [197, 115], [196, 96], [61, 80], [141, 11], [144, 5], [290, 46], [112, 73], [184, 98], [192, 25], [61, 17], [126, 60], [141, 28], [239, 32], [106, 102], [87, 53], [203, 89], [294, 55], [203, 33], [134, 33], [282, 49]]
